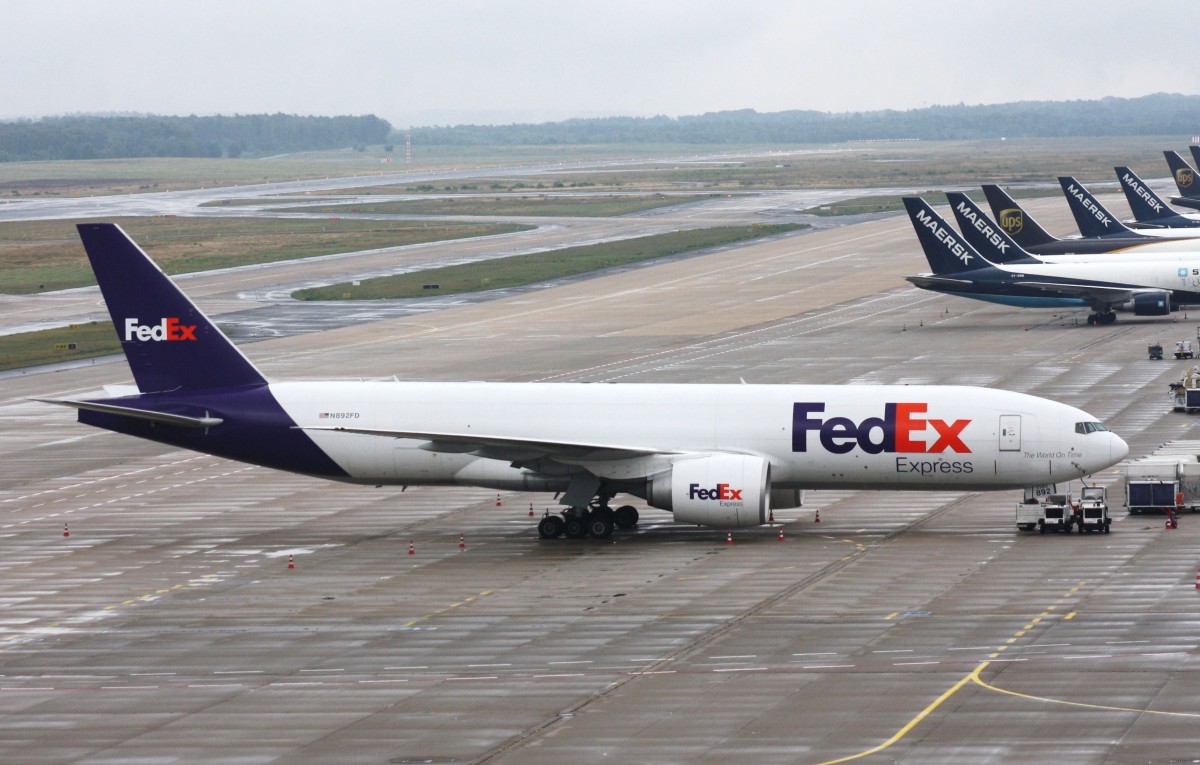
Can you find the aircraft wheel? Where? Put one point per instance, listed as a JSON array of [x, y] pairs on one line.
[[575, 527], [626, 516], [551, 527], [600, 524], [1107, 318], [1093, 319]]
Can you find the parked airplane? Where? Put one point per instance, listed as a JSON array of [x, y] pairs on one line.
[[1149, 209], [1185, 179], [714, 455], [1025, 231], [1148, 286], [1094, 219]]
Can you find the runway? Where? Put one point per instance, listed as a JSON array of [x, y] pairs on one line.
[[902, 627]]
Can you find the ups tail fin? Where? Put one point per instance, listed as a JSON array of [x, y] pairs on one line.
[[169, 342], [1147, 206], [1017, 223], [982, 233], [1185, 177], [946, 251], [1092, 217]]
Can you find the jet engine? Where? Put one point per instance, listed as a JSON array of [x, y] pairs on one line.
[[721, 490], [1150, 304]]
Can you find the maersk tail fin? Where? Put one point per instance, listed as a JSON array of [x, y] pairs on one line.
[[945, 249], [1148, 207], [169, 342], [1092, 217], [1017, 223], [982, 233], [1185, 177]]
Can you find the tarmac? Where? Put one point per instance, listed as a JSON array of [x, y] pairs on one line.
[[901, 627]]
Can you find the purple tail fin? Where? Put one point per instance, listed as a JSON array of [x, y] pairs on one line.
[[169, 342]]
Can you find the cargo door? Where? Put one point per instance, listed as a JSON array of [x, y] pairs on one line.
[[1010, 432]]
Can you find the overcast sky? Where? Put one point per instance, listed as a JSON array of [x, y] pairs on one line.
[[451, 61]]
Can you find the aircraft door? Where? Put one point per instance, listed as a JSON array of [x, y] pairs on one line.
[[1010, 432]]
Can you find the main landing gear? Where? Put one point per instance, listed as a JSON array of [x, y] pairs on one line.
[[598, 520], [1097, 319]]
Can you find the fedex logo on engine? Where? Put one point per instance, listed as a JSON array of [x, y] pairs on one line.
[[168, 329], [722, 491], [896, 431]]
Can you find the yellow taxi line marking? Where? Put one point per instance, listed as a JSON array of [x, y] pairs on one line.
[[915, 721]]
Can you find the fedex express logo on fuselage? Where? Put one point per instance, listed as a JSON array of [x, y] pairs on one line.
[[169, 330], [901, 429], [896, 432]]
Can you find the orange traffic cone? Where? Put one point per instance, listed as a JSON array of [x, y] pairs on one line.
[[411, 549], [497, 500], [1198, 579], [729, 537], [781, 534], [462, 542], [66, 530], [291, 561], [818, 518], [530, 509]]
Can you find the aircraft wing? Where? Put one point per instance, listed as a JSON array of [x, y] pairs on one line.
[[504, 447]]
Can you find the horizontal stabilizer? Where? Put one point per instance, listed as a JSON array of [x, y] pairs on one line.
[[179, 420]]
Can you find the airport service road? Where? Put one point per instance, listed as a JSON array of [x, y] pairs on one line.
[[920, 626]]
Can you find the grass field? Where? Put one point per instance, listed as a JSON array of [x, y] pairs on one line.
[[47, 346], [519, 204], [894, 203], [537, 267], [47, 255], [849, 165]]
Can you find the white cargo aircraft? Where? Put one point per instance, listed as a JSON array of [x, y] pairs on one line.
[[714, 455]]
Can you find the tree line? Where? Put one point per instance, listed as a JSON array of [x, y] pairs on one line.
[[97, 137], [1158, 114]]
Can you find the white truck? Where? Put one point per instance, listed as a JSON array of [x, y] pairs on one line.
[[1185, 394], [1091, 512], [1053, 513]]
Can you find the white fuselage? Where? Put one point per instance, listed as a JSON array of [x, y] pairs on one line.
[[813, 436]]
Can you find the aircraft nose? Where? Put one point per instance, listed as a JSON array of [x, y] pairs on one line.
[[1117, 449]]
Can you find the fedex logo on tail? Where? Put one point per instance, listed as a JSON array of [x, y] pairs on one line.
[[169, 330], [897, 431]]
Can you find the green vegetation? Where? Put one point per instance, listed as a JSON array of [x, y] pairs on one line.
[[591, 206], [893, 203], [47, 255], [520, 270], [51, 345], [1156, 114]]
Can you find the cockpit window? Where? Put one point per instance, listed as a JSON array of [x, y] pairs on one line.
[[1089, 427]]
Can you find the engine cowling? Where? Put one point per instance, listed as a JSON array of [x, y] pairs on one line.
[[1151, 304], [721, 490]]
